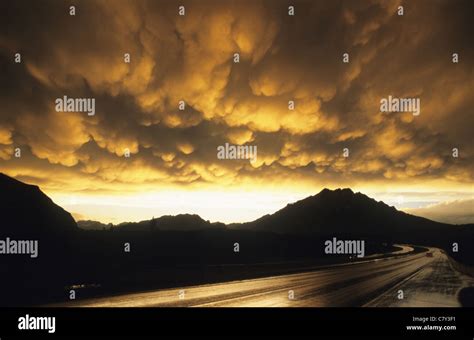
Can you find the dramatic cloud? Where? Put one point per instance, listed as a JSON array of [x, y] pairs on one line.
[[182, 95]]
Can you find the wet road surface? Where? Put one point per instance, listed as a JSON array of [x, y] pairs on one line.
[[426, 280]]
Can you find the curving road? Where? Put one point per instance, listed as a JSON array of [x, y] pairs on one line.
[[426, 280]]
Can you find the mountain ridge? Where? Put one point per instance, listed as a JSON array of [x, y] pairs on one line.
[[329, 211], [27, 211], [341, 201], [336, 210]]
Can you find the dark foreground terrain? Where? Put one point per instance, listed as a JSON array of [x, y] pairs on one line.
[[186, 250], [427, 281]]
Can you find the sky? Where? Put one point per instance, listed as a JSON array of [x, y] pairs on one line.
[[335, 136]]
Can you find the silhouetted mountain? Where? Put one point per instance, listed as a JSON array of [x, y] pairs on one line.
[[92, 225], [343, 211], [25, 211], [183, 222], [339, 211]]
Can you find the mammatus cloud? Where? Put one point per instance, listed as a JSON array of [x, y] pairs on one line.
[[190, 59]]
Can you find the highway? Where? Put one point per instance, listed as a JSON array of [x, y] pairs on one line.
[[425, 280]]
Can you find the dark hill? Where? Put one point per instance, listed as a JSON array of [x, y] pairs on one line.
[[183, 222], [92, 225], [27, 212], [343, 211]]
